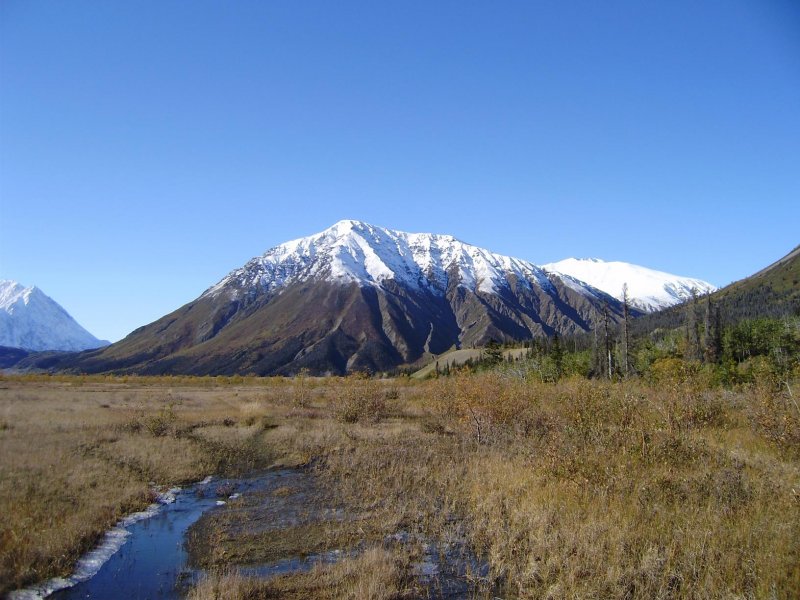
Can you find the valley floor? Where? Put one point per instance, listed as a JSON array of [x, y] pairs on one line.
[[573, 489]]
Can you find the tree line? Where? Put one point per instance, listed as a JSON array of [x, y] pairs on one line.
[[728, 351]]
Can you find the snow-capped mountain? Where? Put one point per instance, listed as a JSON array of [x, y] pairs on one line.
[[33, 321], [648, 290], [352, 251], [356, 252], [356, 297]]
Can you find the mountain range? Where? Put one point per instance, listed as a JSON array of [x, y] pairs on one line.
[[31, 320], [357, 297]]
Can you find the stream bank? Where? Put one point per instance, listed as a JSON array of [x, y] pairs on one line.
[[269, 524]]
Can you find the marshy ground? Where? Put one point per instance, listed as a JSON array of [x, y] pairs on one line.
[[470, 486]]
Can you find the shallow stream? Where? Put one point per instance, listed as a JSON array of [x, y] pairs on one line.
[[145, 555], [151, 563]]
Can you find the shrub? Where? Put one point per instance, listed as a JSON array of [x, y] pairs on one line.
[[670, 370], [361, 399], [483, 405], [161, 423], [301, 389], [776, 416]]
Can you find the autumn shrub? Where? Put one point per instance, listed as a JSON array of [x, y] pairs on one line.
[[775, 415], [157, 423], [360, 399], [431, 423], [485, 406], [687, 405], [301, 389], [667, 371], [621, 490], [587, 408]]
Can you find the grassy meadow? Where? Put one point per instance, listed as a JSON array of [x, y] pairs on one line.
[[670, 488]]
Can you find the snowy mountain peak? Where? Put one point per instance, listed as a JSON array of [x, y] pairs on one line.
[[12, 292], [648, 289], [354, 251], [32, 320]]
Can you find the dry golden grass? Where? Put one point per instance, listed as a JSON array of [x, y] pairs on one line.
[[576, 489], [77, 455], [377, 574], [587, 489]]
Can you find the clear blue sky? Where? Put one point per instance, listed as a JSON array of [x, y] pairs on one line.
[[147, 148]]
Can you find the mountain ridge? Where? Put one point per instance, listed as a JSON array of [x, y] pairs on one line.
[[425, 254], [773, 291], [355, 297], [648, 290], [357, 251]]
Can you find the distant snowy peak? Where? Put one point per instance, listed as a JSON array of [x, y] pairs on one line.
[[31, 320], [353, 251], [648, 290]]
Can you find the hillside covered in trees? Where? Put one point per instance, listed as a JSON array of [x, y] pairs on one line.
[[772, 292], [747, 331]]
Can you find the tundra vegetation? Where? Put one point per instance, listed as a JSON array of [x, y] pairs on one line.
[[673, 483]]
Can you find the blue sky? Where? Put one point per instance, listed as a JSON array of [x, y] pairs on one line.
[[148, 148]]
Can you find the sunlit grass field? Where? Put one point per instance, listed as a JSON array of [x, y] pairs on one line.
[[666, 489]]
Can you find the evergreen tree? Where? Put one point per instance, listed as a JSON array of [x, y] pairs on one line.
[[710, 333], [625, 330], [493, 354], [608, 349], [692, 337], [557, 354], [597, 357]]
